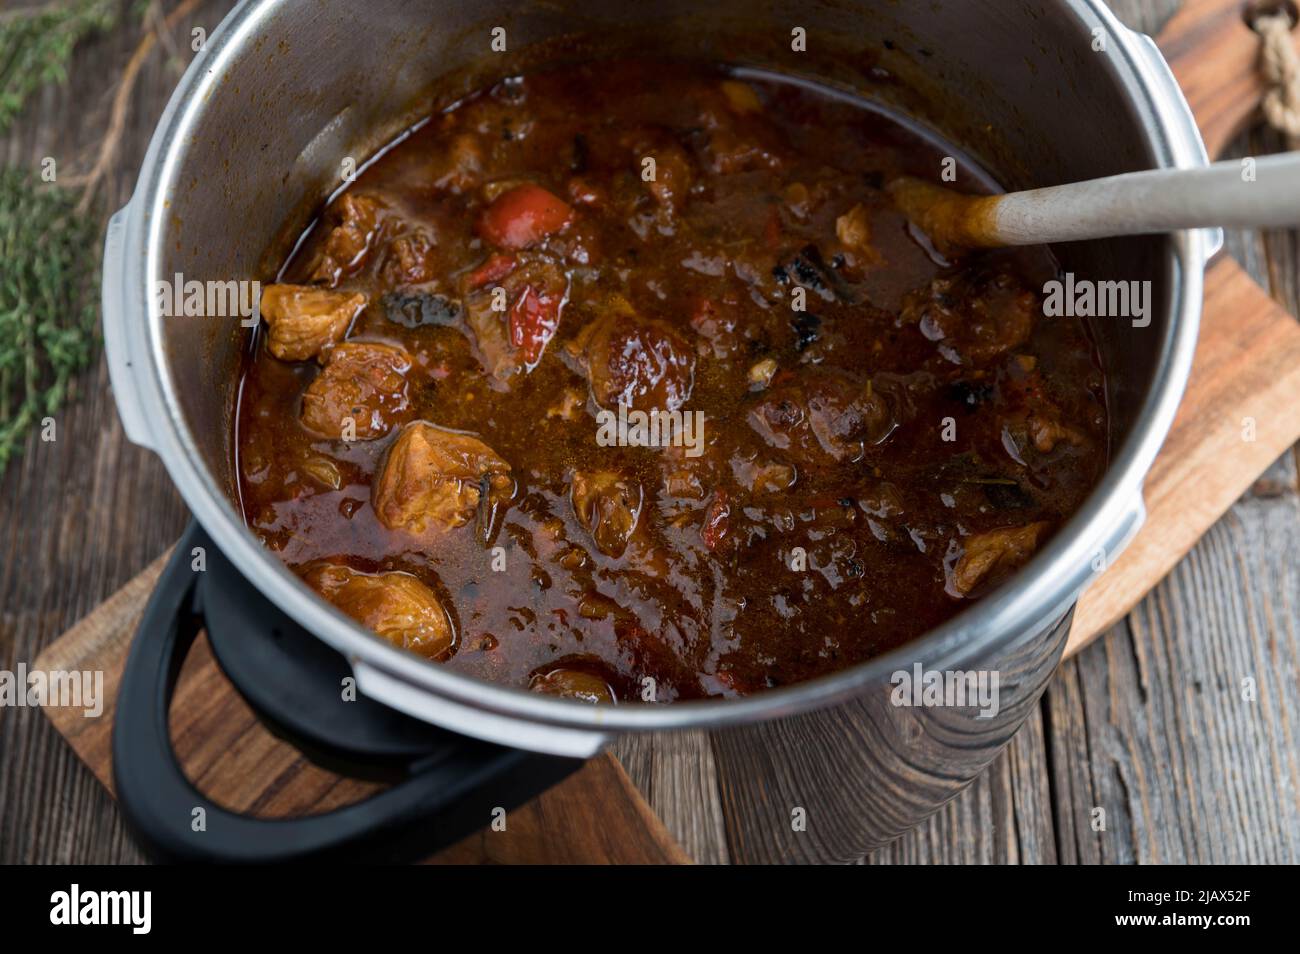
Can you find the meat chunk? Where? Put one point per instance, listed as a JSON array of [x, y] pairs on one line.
[[303, 320], [460, 168], [1046, 431], [533, 291], [433, 475], [573, 684], [608, 505], [975, 315], [410, 259], [364, 383], [718, 322], [988, 557], [349, 241], [824, 415], [717, 520], [673, 170], [633, 361], [853, 229], [763, 477], [397, 606]]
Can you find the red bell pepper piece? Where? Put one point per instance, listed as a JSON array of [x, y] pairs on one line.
[[523, 216]]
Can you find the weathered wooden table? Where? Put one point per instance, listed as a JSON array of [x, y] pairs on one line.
[[1145, 723]]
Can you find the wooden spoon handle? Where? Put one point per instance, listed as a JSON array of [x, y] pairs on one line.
[[1255, 193]]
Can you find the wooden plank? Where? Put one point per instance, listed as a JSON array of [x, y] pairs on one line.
[[80, 516], [1181, 725]]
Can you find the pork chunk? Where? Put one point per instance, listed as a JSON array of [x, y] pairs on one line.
[[303, 319], [987, 557], [823, 415], [436, 476], [608, 506], [1046, 431], [363, 382], [459, 167], [397, 606], [975, 315], [573, 684], [633, 361], [349, 241]]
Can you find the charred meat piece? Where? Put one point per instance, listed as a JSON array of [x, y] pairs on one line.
[[364, 383], [397, 606], [417, 309], [303, 320], [435, 476], [807, 269]]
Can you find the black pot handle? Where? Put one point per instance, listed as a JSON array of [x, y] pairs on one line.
[[448, 790]]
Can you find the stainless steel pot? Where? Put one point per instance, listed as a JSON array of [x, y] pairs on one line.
[[254, 136]]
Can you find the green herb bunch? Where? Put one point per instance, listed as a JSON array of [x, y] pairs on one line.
[[49, 257], [49, 250], [36, 44]]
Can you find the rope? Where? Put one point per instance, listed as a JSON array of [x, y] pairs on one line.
[[1280, 64]]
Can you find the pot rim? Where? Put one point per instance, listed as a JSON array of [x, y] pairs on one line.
[[1039, 593]]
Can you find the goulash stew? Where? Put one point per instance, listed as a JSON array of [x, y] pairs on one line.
[[626, 381]]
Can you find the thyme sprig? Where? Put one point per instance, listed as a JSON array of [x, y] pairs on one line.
[[36, 45], [49, 257]]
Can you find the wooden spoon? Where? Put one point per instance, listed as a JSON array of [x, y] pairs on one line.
[[1230, 193]]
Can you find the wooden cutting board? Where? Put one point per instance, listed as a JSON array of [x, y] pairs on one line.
[[1247, 366]]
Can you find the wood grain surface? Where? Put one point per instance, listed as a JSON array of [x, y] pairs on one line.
[[1177, 722]]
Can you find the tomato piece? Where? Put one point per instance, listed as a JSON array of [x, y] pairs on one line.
[[524, 215], [497, 267], [716, 520], [534, 317]]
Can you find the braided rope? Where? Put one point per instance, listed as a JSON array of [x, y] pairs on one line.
[[1280, 64]]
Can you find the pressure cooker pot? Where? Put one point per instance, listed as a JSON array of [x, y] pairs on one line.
[[287, 98]]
